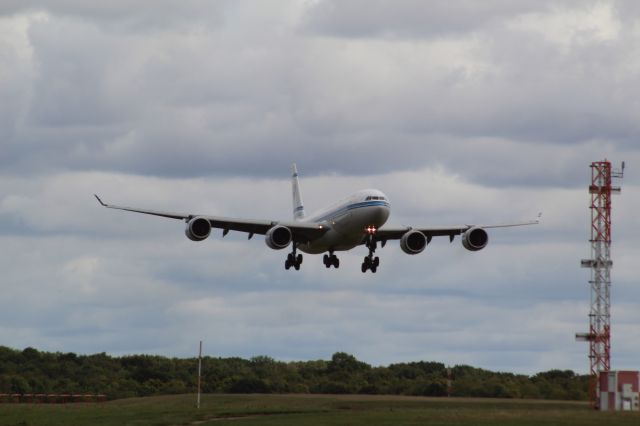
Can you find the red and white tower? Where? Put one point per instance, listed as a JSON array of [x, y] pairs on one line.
[[599, 335]]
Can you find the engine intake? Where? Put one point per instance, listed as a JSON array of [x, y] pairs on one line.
[[475, 239], [278, 237], [413, 242], [198, 229]]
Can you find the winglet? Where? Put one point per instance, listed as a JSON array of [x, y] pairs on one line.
[[100, 201], [539, 218]]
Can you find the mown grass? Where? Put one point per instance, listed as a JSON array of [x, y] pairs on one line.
[[312, 410]]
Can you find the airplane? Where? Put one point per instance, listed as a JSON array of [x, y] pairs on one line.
[[358, 219]]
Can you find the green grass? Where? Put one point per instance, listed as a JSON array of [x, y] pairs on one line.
[[312, 410]]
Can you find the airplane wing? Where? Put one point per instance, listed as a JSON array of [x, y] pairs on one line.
[[395, 233], [302, 231]]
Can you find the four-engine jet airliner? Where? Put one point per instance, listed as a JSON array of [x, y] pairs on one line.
[[354, 221]]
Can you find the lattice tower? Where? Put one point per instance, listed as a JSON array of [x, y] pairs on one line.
[[599, 335]]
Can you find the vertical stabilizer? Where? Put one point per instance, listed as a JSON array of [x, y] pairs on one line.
[[298, 207]]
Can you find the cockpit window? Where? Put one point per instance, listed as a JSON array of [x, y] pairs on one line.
[[375, 197]]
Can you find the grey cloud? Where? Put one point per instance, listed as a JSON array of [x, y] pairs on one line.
[[410, 18], [219, 103], [126, 15], [72, 77]]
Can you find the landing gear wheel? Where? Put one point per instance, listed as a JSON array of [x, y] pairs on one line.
[[330, 260], [293, 259], [371, 263], [366, 264]]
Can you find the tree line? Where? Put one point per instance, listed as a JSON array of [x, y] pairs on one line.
[[33, 371]]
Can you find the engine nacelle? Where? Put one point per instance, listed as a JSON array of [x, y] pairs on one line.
[[278, 237], [475, 239], [413, 242], [198, 229]]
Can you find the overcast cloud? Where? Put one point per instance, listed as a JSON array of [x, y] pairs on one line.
[[461, 112]]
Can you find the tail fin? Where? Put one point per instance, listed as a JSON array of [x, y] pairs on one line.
[[298, 207]]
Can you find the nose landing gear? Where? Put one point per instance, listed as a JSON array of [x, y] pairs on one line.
[[370, 263]]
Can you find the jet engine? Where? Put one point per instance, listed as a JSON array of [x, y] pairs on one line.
[[278, 237], [198, 229], [475, 239], [413, 242]]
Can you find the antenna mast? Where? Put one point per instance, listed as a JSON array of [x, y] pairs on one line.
[[599, 335]]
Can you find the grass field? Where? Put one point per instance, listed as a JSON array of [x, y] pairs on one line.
[[313, 410]]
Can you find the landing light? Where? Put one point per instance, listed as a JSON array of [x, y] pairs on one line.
[[370, 229]]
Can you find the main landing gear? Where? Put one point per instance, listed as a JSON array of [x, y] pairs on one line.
[[331, 260], [371, 263], [293, 259]]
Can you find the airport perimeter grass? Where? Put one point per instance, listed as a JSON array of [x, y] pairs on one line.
[[313, 410]]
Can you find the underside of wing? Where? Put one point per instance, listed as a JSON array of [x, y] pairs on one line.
[[396, 233], [171, 215], [197, 228], [302, 232], [414, 240]]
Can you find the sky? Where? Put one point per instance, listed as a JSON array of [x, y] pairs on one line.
[[459, 111]]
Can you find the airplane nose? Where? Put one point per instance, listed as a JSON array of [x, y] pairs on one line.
[[386, 212], [380, 215]]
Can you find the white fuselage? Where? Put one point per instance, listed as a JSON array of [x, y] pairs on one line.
[[349, 221]]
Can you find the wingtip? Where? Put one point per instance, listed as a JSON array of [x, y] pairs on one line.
[[539, 217], [99, 200]]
